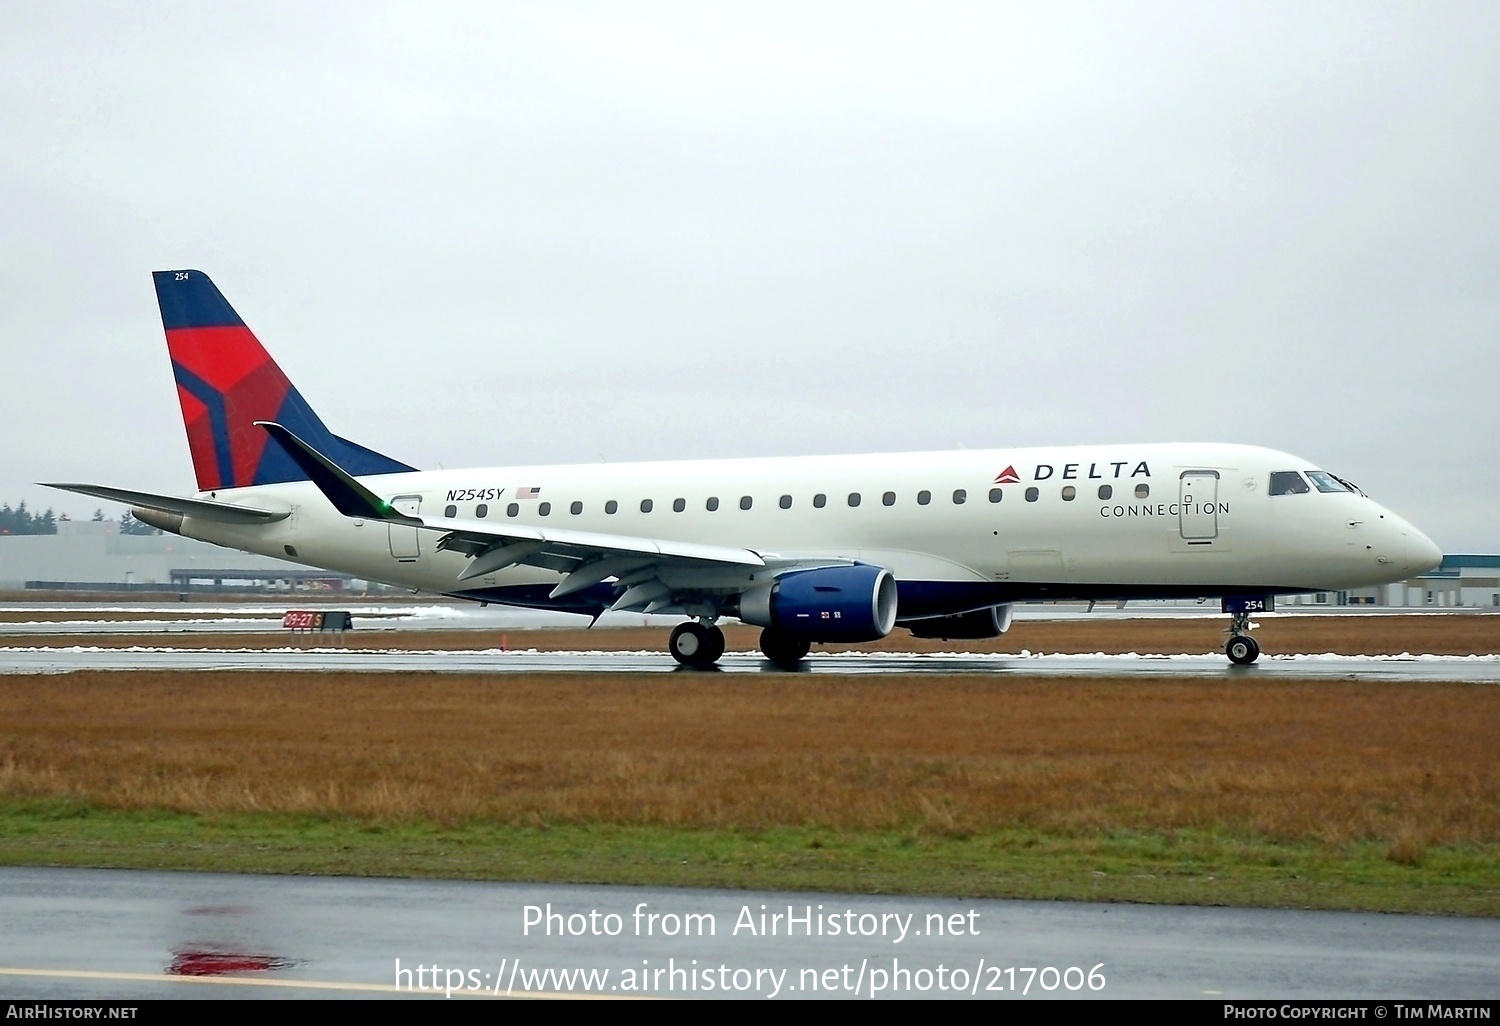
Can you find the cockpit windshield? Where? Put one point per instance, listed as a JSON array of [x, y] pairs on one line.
[[1288, 482], [1291, 482], [1326, 482]]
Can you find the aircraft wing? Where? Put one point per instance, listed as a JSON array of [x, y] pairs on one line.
[[203, 509], [655, 573]]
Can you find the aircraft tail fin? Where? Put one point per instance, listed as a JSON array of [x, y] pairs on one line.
[[226, 381]]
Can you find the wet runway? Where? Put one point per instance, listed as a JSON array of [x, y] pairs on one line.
[[70, 933], [1480, 669]]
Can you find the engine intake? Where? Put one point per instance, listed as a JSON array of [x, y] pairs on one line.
[[981, 623], [832, 603]]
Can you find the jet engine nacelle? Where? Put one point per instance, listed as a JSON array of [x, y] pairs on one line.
[[831, 603], [981, 623]]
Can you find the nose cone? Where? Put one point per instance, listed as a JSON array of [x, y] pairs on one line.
[[1409, 549], [1419, 552]]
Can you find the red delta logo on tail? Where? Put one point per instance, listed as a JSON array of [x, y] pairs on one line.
[[226, 381], [1008, 476]]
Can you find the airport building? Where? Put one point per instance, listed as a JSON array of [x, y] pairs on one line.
[[95, 556]]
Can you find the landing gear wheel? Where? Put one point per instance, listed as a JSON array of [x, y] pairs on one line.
[[1242, 651], [695, 644], [715, 647], [782, 648]]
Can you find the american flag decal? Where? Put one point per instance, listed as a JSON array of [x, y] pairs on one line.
[[528, 493]]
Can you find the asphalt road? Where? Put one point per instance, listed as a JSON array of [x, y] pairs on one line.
[[1485, 669], [77, 933]]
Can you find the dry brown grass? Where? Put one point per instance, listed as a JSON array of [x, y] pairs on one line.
[[1407, 765], [1439, 634]]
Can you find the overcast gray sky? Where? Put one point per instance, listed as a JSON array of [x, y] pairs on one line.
[[479, 234]]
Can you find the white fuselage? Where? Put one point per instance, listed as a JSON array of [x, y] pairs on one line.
[[1120, 521]]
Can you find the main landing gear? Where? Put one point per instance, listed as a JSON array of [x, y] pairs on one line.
[[696, 644], [1241, 649], [700, 644], [783, 649]]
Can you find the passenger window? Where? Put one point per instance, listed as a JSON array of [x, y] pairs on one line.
[[786, 502], [745, 501], [450, 512], [924, 497], [482, 510], [513, 510], [889, 498], [611, 506], [1325, 482], [678, 505], [646, 505], [960, 496], [854, 498], [819, 501], [544, 508], [1142, 491], [712, 503], [1106, 492], [1288, 482], [1031, 494], [996, 494], [1069, 493], [576, 508]]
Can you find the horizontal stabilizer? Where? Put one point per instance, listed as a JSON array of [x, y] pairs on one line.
[[201, 509]]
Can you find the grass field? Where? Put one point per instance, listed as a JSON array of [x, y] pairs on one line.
[[1340, 795]]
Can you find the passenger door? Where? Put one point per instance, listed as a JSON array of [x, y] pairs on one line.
[[404, 544], [1198, 497]]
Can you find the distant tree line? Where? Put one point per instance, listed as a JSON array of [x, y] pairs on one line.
[[20, 520]]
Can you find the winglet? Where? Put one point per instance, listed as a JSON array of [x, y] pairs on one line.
[[348, 496]]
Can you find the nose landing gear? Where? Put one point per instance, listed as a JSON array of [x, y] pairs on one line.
[[1242, 649]]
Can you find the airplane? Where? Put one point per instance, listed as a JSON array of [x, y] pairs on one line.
[[810, 549]]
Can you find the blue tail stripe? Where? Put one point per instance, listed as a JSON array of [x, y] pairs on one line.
[[218, 418]]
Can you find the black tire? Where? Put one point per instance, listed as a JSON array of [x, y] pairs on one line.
[[715, 649], [694, 644], [1242, 651], [688, 643], [782, 648]]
